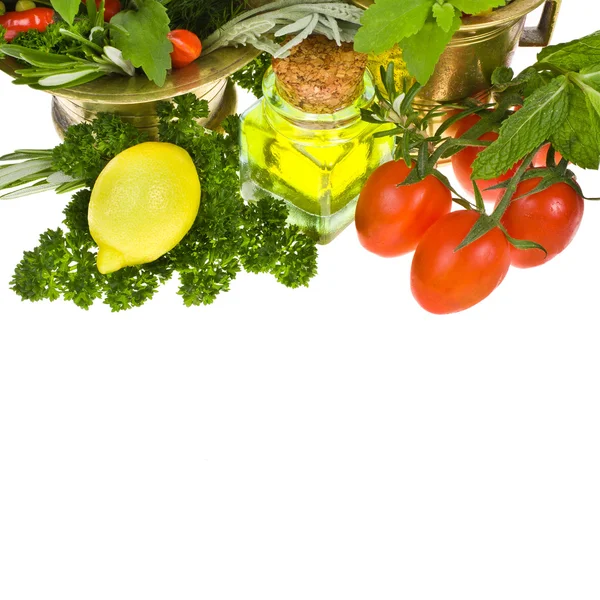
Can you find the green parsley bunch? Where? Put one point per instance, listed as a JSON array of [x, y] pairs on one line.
[[228, 236]]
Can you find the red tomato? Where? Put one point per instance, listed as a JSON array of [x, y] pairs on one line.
[[111, 8], [551, 218], [186, 47], [541, 158], [391, 220], [444, 281], [462, 162]]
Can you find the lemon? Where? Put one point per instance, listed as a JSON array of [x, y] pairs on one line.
[[142, 204]]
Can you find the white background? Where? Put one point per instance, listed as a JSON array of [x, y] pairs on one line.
[[334, 442]]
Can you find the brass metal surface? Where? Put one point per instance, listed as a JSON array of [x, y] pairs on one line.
[[482, 44], [134, 98]]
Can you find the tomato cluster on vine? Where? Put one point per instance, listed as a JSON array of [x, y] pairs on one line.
[[453, 267]]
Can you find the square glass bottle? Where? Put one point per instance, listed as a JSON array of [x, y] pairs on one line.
[[316, 162]]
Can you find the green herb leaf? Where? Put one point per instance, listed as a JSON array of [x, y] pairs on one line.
[[251, 76], [502, 76], [542, 113], [67, 9], [141, 35], [575, 55], [386, 22], [589, 82], [444, 15], [577, 138], [422, 50], [475, 7]]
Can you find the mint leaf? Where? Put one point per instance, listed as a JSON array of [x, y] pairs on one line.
[[474, 7], [141, 35], [444, 15], [502, 76], [543, 112], [575, 55], [67, 9], [589, 82], [386, 22], [422, 51], [578, 137]]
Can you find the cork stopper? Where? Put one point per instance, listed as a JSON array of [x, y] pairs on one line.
[[319, 76]]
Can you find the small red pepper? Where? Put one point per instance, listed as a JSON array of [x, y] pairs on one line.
[[111, 8], [16, 22], [186, 47]]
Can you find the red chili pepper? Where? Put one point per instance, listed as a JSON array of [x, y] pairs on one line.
[[111, 8], [16, 22], [186, 47]]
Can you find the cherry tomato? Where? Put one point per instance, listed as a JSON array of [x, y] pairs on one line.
[[551, 218], [541, 158], [111, 8], [444, 281], [16, 22], [390, 220], [186, 47], [462, 162]]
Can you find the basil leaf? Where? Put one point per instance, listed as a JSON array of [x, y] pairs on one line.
[[422, 51], [386, 22], [543, 112]]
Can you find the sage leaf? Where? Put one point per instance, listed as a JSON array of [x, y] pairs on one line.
[[543, 112]]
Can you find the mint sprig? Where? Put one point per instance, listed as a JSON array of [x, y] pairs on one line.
[[422, 28], [525, 130], [561, 105]]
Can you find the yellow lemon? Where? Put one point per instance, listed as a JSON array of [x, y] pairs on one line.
[[143, 203]]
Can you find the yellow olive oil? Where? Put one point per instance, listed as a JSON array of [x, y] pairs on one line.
[[316, 163]]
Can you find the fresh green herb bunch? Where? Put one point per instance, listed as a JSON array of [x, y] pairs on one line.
[[136, 38], [52, 40], [251, 76], [228, 235], [203, 17]]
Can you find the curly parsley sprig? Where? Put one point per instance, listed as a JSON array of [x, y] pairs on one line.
[[228, 236]]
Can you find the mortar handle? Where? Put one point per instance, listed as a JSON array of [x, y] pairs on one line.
[[541, 35]]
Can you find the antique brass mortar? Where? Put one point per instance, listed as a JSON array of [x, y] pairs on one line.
[[482, 44], [135, 98]]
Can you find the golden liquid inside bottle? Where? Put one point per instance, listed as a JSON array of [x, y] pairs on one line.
[[316, 163], [394, 55]]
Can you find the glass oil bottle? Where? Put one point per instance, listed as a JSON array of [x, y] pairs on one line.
[[316, 162]]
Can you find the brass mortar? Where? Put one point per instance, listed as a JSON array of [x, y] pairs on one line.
[[482, 44], [135, 98]]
